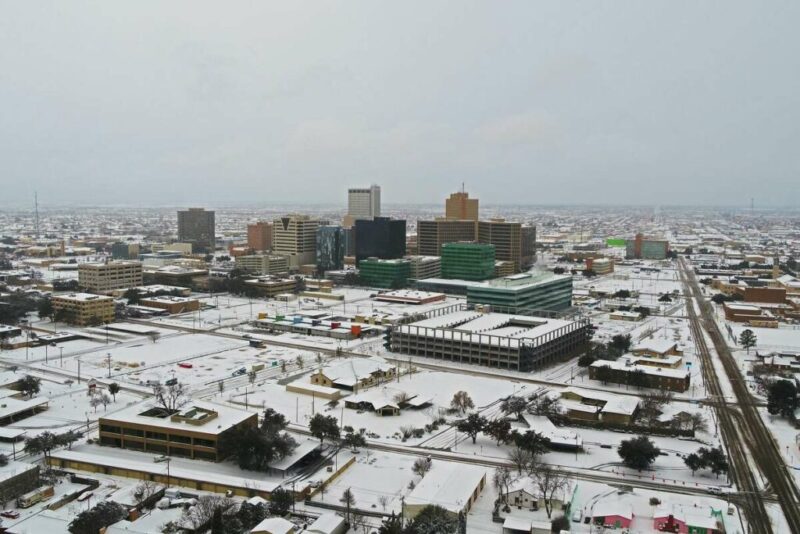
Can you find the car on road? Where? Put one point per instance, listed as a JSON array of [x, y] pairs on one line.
[[185, 365], [239, 372], [9, 514]]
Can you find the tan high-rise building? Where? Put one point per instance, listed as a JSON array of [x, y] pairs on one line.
[[460, 206], [296, 237], [431, 235], [106, 277], [197, 226], [512, 241], [259, 236]]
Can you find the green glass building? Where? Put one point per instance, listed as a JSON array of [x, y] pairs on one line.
[[525, 291], [390, 274], [468, 261]]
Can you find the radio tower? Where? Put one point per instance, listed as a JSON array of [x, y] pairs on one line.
[[36, 212]]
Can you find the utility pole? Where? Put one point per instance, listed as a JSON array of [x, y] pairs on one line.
[[108, 359]]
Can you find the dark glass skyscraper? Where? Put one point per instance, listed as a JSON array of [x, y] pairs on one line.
[[330, 248], [381, 237]]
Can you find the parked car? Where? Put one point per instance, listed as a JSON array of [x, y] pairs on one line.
[[10, 514]]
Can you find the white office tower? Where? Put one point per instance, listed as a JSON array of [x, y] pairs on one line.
[[364, 203]]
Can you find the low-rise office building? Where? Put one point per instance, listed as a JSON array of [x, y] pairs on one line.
[[270, 264], [193, 432], [104, 278], [271, 286], [172, 304], [391, 274], [468, 261], [600, 265], [622, 371], [84, 308], [646, 249], [422, 267], [525, 291]]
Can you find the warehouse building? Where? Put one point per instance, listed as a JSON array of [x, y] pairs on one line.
[[516, 342]]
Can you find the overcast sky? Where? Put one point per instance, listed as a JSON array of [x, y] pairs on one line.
[[112, 102]]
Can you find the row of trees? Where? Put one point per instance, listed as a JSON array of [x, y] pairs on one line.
[[713, 459], [46, 442]]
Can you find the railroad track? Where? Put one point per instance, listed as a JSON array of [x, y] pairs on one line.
[[754, 433]]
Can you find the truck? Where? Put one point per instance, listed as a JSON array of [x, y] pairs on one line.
[[38, 495]]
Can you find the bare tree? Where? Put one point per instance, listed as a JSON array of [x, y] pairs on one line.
[[461, 402], [521, 458], [698, 422], [201, 513], [299, 361], [401, 398], [421, 467], [348, 500], [502, 480], [383, 500], [95, 401], [144, 490], [154, 336], [105, 400], [549, 482], [171, 398], [359, 521]]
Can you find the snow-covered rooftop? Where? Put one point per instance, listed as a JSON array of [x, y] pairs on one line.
[[449, 485]]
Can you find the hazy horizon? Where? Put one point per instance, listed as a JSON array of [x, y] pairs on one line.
[[534, 104]]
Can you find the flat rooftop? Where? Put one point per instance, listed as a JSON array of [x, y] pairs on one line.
[[82, 297], [195, 411]]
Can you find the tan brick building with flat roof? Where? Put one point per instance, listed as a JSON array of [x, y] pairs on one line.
[[104, 278], [83, 308], [193, 432]]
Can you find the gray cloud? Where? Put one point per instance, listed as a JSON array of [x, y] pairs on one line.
[[528, 102]]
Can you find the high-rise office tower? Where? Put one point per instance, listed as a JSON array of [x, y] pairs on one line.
[[460, 206], [381, 237], [295, 236], [330, 248], [196, 226], [259, 235], [431, 235], [364, 202], [512, 241]]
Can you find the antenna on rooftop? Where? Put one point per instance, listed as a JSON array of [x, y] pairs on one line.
[[36, 212]]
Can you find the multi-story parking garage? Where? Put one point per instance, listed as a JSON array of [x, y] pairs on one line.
[[517, 342]]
